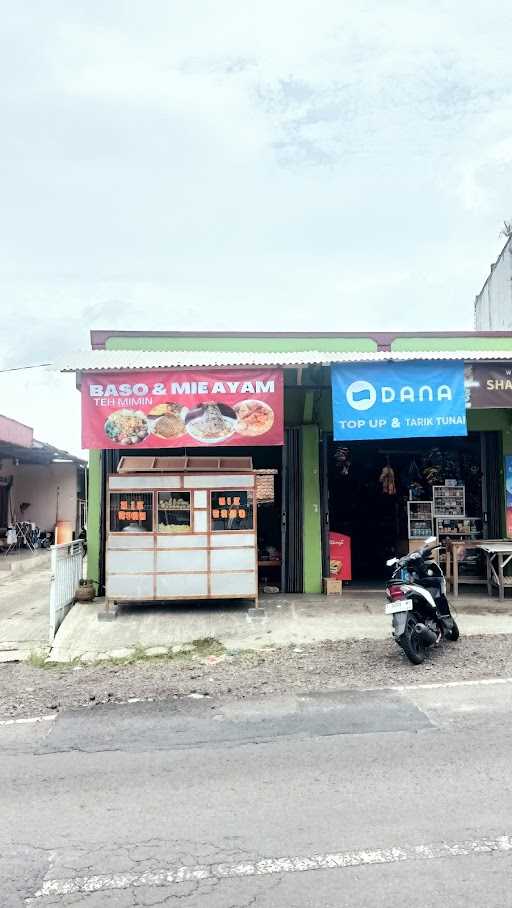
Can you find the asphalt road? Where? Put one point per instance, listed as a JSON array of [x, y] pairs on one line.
[[390, 798]]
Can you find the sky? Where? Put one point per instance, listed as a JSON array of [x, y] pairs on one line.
[[327, 165]]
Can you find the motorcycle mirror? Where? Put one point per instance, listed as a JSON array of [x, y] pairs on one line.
[[391, 561], [430, 540]]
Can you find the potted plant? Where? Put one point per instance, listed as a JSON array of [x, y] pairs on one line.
[[85, 591]]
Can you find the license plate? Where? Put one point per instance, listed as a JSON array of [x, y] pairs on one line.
[[399, 605]]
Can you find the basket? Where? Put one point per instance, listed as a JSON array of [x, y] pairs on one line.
[[265, 485]]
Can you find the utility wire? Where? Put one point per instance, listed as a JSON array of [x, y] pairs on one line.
[[22, 368]]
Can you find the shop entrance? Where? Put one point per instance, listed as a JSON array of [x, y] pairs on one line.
[[388, 496]]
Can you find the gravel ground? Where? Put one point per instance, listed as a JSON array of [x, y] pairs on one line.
[[29, 691]]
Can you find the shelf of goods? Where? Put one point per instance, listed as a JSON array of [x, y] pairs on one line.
[[459, 527], [419, 519], [449, 501]]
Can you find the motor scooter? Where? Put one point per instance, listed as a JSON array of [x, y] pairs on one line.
[[416, 600]]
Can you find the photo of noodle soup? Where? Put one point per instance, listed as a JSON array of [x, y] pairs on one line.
[[253, 417], [211, 422]]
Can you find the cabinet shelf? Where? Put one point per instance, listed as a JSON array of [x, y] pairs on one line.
[[419, 519], [449, 501]]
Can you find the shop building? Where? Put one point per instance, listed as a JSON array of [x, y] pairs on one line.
[[41, 487], [326, 480], [493, 305]]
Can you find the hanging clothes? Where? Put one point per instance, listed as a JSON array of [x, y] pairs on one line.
[[342, 459], [387, 480]]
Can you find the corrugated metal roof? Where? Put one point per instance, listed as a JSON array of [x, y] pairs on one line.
[[114, 360]]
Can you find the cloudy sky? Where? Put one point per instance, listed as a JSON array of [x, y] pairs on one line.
[[333, 164]]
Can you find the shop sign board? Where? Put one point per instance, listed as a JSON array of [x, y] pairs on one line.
[[508, 494], [398, 400], [169, 409], [488, 386]]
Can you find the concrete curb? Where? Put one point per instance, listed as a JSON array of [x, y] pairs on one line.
[[25, 566], [17, 654]]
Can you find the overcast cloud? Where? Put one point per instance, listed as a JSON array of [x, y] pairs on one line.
[[272, 165]]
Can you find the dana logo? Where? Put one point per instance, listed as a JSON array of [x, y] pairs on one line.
[[362, 395]]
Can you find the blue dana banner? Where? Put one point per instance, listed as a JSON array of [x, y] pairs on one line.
[[398, 400]]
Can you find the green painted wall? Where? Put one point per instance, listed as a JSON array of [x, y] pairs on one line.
[[452, 343], [241, 344], [325, 410], [495, 421], [311, 531], [293, 406], [93, 517], [292, 344], [489, 420]]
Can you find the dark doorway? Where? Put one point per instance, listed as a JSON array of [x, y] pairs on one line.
[[370, 484], [492, 484], [5, 488]]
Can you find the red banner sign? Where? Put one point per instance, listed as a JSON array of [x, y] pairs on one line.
[[182, 409]]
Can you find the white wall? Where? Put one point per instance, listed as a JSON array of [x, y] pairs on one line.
[[41, 485], [493, 305]]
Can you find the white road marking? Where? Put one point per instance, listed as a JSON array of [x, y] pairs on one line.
[[435, 684], [32, 720], [301, 864]]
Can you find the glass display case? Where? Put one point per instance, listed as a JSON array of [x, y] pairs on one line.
[[131, 512], [449, 501], [174, 512], [232, 512], [459, 528], [419, 519]]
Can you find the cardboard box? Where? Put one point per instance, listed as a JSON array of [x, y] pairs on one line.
[[332, 587]]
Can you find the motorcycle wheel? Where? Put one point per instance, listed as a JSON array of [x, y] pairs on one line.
[[412, 645], [454, 633]]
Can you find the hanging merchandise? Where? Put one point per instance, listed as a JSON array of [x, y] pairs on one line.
[[433, 467], [265, 486], [342, 458], [414, 471], [387, 480], [432, 475], [452, 466], [416, 492]]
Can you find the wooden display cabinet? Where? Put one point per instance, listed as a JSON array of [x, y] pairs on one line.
[[187, 533]]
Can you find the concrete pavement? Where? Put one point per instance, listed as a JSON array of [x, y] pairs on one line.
[[287, 620], [24, 605], [355, 798]]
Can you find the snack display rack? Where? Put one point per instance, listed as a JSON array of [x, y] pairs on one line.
[[449, 501], [420, 521], [458, 528], [181, 528]]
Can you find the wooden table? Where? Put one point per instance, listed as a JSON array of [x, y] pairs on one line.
[[498, 554]]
